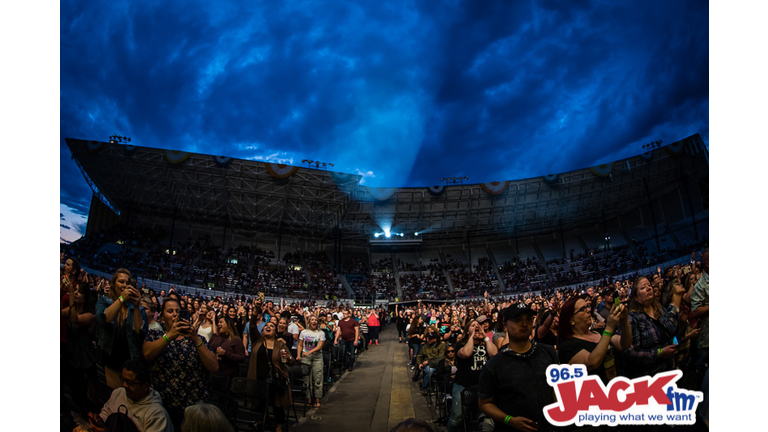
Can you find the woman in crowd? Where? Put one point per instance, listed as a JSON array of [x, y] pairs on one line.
[[416, 337], [70, 277], [180, 362], [228, 347], [546, 326], [447, 365], [271, 355], [473, 352], [282, 331], [468, 318], [653, 330], [121, 325], [373, 327], [67, 285], [204, 322], [364, 336], [578, 344], [203, 417], [401, 323], [311, 342], [454, 332], [686, 350], [80, 357], [242, 319]]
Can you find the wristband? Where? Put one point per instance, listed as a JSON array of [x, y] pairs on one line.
[[507, 419], [121, 299], [201, 344], [659, 352], [166, 339], [607, 333]]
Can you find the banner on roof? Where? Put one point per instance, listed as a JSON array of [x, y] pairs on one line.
[[340, 177], [281, 171], [94, 146], [436, 190], [551, 178], [603, 170], [222, 161], [381, 193], [676, 147], [176, 156], [495, 188]]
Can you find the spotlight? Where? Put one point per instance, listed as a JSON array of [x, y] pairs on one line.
[[387, 235], [416, 234]]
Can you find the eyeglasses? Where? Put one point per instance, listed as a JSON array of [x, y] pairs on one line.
[[587, 309], [450, 351]]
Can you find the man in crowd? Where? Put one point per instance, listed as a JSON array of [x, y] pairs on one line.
[[513, 389], [433, 349], [143, 404], [700, 309], [257, 316], [348, 330]]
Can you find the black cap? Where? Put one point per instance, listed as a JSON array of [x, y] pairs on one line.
[[516, 310], [432, 335]]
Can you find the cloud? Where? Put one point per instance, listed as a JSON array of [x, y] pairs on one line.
[[412, 90]]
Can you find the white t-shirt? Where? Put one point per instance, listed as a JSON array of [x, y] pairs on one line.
[[311, 339], [205, 332], [293, 329]]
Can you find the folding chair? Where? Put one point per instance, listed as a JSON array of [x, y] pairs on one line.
[[469, 409], [299, 381], [220, 383], [252, 397]]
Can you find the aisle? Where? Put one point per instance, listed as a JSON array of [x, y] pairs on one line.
[[377, 395]]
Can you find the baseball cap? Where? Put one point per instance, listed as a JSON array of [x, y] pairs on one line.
[[481, 319], [516, 310]]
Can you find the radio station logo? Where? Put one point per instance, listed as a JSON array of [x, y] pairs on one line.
[[584, 400]]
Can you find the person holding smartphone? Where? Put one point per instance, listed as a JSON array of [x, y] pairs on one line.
[[653, 330], [180, 362], [121, 325]]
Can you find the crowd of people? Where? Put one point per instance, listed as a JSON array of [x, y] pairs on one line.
[[161, 352]]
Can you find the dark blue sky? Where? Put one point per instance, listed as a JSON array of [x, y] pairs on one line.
[[401, 92]]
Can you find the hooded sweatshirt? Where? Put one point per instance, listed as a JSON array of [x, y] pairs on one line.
[[147, 414]]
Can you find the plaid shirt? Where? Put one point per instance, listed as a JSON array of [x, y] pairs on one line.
[[699, 298], [648, 335]]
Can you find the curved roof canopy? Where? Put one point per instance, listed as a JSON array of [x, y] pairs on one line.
[[258, 198]]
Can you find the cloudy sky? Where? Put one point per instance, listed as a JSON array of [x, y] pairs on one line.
[[400, 92]]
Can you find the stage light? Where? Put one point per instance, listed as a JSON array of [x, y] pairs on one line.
[[416, 234], [387, 235]]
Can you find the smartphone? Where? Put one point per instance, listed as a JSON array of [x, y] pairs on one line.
[[184, 315], [674, 341], [616, 299]]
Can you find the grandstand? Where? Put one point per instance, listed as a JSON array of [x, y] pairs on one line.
[[205, 221]]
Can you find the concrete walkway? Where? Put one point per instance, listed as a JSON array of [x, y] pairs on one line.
[[376, 396]]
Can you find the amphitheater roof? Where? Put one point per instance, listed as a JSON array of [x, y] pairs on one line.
[[253, 197]]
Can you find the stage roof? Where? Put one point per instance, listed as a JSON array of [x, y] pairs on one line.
[[256, 198]]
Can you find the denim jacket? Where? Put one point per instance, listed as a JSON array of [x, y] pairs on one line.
[[106, 330]]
